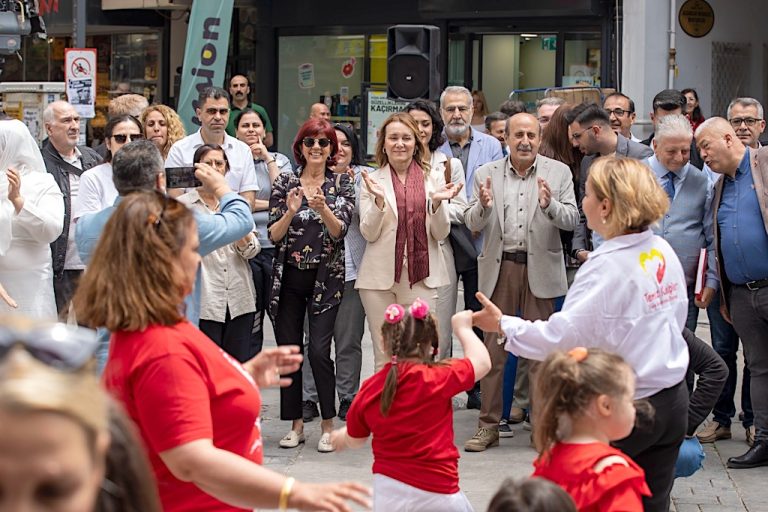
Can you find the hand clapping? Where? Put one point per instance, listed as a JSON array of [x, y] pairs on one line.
[[446, 192], [545, 193], [486, 195], [293, 199], [316, 199], [14, 189]]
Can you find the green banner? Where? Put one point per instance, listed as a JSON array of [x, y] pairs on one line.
[[205, 55]]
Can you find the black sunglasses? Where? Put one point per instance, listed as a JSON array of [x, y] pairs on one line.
[[121, 138], [61, 346], [310, 142]]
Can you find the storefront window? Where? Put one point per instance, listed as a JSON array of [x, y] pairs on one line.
[[313, 69], [582, 60]]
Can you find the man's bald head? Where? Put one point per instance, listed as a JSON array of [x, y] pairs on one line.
[[719, 146], [523, 140], [320, 111]]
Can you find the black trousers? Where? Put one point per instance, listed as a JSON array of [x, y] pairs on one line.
[[261, 269], [296, 294], [64, 286], [233, 335], [749, 311], [655, 449]]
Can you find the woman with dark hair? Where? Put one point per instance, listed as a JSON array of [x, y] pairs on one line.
[[250, 129], [431, 134], [197, 409], [692, 108], [227, 298], [309, 213], [97, 190]]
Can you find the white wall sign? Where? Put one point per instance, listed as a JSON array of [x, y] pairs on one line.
[[80, 77]]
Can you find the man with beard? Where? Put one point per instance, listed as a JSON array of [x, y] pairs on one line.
[[589, 128], [239, 89], [474, 149], [520, 204]]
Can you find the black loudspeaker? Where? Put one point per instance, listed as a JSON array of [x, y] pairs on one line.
[[413, 54]]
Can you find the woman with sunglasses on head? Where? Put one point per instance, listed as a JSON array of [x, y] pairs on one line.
[[250, 129], [403, 218], [31, 217], [310, 211], [97, 190], [227, 303], [54, 430], [196, 407], [163, 126]]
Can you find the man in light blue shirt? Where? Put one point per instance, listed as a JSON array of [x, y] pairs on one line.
[[139, 166]]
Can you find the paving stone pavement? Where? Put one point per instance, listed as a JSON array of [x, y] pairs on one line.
[[713, 488]]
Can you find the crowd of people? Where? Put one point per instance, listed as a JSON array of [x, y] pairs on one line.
[[584, 255]]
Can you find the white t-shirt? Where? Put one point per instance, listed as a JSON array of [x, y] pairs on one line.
[[97, 191], [72, 259]]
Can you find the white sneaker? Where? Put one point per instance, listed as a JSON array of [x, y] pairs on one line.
[[292, 439], [324, 445]]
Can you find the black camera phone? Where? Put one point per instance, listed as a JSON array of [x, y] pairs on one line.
[[181, 177]]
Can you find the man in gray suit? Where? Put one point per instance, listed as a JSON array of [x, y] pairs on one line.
[[519, 204], [687, 226], [589, 128]]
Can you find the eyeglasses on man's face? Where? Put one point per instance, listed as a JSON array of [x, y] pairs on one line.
[[577, 135], [618, 112], [749, 121]]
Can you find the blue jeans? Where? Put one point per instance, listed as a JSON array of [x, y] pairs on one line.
[[690, 457], [725, 341]]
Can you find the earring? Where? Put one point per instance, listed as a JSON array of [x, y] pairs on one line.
[[602, 219]]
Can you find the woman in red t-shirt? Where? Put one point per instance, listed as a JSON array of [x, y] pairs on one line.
[[407, 406], [584, 401], [197, 409]]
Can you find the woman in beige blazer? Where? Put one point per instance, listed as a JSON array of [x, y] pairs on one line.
[[403, 222]]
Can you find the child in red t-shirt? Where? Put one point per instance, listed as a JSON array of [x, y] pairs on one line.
[[407, 406], [583, 401]]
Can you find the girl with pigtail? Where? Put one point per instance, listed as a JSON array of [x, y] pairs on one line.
[[584, 401], [407, 407]]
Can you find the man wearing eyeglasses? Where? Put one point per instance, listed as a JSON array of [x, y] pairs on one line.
[[473, 149], [747, 119], [66, 161], [589, 128], [213, 112], [621, 111]]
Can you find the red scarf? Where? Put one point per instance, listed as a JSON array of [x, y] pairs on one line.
[[411, 224]]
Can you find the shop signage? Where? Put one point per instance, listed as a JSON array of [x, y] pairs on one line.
[[306, 75], [379, 109], [80, 77], [205, 55], [696, 18]]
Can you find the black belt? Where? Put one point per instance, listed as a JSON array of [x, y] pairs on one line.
[[756, 285], [304, 266], [516, 256]]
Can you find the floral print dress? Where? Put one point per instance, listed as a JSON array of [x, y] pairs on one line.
[[308, 240]]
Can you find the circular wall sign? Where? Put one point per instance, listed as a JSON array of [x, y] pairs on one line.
[[696, 17]]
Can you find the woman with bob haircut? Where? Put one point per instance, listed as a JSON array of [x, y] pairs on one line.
[[163, 126], [196, 407], [403, 219], [628, 298], [309, 213]]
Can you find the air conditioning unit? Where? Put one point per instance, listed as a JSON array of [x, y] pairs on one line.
[[110, 5]]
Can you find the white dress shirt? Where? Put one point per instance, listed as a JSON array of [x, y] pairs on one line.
[[628, 298], [242, 173]]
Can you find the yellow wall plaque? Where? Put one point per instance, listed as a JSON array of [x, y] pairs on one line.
[[696, 17]]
